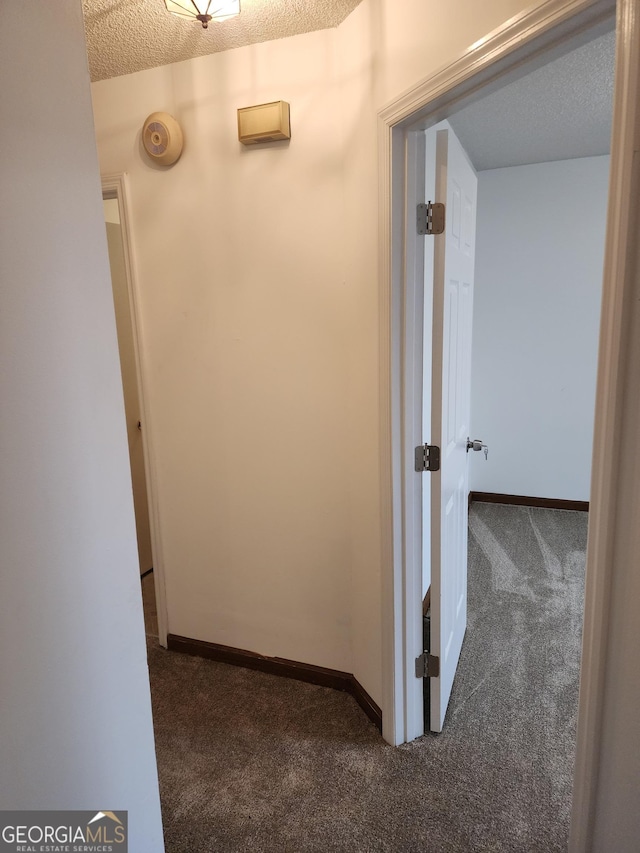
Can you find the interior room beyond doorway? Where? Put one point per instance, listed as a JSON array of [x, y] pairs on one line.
[[540, 146]]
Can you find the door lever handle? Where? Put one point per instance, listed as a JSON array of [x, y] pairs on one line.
[[476, 444]]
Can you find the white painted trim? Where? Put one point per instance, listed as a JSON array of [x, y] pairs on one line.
[[482, 65], [391, 209], [116, 185], [413, 431], [611, 497], [519, 39], [607, 500]]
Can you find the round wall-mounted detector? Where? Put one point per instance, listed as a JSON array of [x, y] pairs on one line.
[[162, 138]]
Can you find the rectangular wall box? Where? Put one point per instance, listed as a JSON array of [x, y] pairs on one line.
[[264, 123]]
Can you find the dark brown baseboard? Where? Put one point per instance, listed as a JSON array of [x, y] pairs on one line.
[[523, 500], [365, 701], [333, 678]]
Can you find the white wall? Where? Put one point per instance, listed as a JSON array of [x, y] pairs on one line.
[[258, 275], [76, 730], [239, 259], [538, 288]]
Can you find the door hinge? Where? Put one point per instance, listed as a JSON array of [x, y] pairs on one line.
[[427, 458], [431, 218], [427, 666]]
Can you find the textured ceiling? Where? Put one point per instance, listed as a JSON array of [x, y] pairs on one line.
[[130, 35], [558, 112]]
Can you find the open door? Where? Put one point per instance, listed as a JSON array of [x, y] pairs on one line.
[[128, 371], [453, 270]]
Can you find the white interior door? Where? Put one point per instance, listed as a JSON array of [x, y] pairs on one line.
[[453, 264], [126, 348]]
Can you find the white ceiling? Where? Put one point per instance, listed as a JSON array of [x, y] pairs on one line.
[[558, 112], [124, 36]]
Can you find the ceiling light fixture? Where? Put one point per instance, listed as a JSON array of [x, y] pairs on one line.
[[204, 10]]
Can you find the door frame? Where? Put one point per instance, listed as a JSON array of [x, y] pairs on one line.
[[115, 186], [539, 34]]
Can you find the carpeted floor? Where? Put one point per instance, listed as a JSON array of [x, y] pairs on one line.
[[252, 762]]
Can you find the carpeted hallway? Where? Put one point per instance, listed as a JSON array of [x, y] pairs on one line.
[[253, 762]]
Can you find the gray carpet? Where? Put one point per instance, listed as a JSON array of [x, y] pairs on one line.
[[252, 762]]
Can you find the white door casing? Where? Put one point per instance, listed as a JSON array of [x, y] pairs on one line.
[[614, 489], [115, 186], [454, 256], [499, 55], [128, 371]]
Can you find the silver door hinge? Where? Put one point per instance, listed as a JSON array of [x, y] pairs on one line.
[[427, 666], [431, 218], [427, 458]]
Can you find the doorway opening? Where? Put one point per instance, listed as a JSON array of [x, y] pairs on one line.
[[501, 53], [402, 132], [137, 422], [540, 150]]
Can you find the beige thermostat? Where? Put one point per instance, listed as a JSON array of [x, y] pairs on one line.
[[264, 123]]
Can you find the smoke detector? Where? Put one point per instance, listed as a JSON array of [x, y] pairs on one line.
[[162, 138]]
